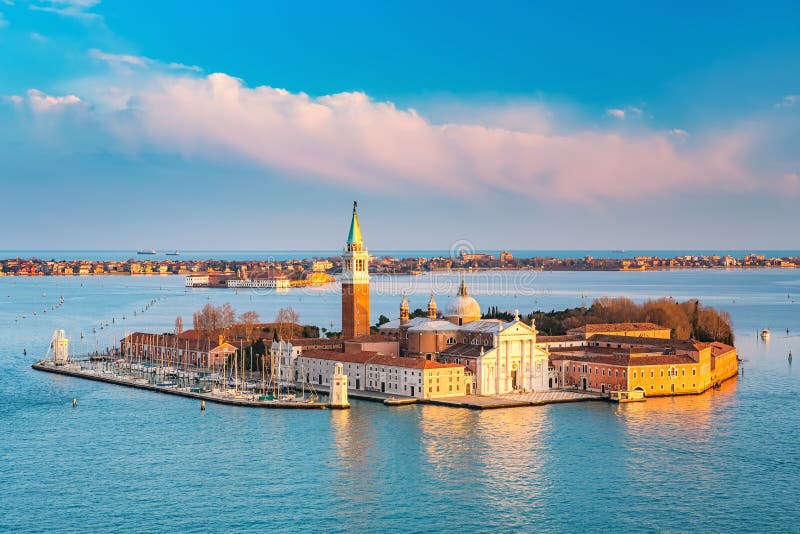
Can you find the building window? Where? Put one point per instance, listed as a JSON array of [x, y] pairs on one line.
[[693, 371]]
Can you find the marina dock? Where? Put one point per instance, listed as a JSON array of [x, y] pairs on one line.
[[219, 398]]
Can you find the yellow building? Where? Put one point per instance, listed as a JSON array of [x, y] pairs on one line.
[[652, 366], [622, 329]]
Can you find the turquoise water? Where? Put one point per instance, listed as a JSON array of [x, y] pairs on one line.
[[129, 460]]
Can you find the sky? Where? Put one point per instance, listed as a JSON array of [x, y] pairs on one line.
[[521, 125]]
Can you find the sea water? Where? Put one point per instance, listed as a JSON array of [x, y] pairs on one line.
[[131, 460]]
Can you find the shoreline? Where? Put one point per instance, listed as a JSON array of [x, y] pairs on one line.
[[458, 270]]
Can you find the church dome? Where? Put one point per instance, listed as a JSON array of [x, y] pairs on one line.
[[463, 308]]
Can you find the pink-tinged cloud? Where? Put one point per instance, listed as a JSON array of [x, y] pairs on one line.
[[790, 184], [349, 138]]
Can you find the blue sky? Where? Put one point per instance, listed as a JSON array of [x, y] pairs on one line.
[[511, 124]]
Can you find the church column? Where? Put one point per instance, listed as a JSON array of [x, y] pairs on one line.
[[508, 366], [497, 368], [531, 364]]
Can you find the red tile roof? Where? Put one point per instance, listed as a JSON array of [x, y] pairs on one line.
[[313, 341], [684, 344], [620, 357], [356, 357], [369, 357], [463, 350], [554, 339], [371, 338], [411, 363]]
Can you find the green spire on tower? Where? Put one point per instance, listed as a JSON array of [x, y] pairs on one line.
[[355, 229]]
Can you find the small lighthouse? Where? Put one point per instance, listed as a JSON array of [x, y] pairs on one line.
[[339, 387], [60, 347]]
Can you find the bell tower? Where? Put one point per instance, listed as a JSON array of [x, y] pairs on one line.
[[432, 313], [355, 283], [404, 310]]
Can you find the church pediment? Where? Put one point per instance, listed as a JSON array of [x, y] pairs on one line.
[[517, 328]]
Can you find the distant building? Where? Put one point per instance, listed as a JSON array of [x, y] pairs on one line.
[[475, 256], [321, 265], [197, 280], [273, 283]]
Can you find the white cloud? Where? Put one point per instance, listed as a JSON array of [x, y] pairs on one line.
[[616, 113], [40, 102], [622, 114], [137, 61], [679, 133], [68, 8], [3, 21], [788, 101], [36, 36]]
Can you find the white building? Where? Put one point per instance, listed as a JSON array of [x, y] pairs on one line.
[[369, 371], [197, 280], [273, 283], [283, 356]]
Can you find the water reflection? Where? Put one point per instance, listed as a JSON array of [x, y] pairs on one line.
[[353, 439], [501, 451]]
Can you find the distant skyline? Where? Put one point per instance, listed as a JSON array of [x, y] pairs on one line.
[[512, 125]]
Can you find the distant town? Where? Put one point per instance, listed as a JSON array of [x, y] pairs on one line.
[[298, 272]]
